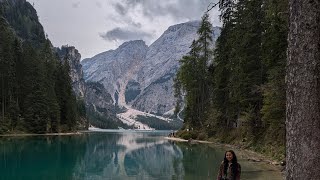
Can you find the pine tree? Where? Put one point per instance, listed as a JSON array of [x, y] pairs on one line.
[[193, 75], [66, 98], [53, 107], [186, 79], [274, 42], [7, 75], [238, 68], [14, 101], [35, 102], [205, 57], [36, 93], [220, 75]]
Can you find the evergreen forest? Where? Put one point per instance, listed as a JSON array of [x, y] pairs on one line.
[[36, 93], [235, 92]]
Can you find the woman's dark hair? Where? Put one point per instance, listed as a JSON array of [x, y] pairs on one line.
[[234, 166]]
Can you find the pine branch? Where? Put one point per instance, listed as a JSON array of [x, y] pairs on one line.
[[211, 6]]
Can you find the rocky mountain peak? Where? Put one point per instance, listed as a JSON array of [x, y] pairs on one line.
[[142, 76], [72, 55], [182, 26], [133, 43], [114, 69]]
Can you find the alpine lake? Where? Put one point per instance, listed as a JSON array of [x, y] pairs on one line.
[[117, 155]]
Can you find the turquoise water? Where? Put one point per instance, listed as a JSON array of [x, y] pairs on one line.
[[114, 155]]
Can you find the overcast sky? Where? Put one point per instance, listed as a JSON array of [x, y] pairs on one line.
[[95, 26]]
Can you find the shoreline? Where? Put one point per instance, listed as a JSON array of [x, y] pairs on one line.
[[245, 154], [193, 141], [46, 134]]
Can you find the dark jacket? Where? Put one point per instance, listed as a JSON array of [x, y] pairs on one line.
[[229, 175]]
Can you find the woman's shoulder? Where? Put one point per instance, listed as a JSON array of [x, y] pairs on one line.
[[239, 166]]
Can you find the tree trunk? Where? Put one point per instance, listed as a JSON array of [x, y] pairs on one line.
[[303, 91]]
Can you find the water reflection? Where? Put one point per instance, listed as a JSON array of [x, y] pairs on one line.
[[158, 161], [111, 155], [40, 157], [130, 155]]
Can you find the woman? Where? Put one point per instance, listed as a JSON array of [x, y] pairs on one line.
[[230, 169]]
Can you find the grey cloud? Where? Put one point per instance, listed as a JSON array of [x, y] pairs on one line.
[[98, 4], [120, 9], [118, 34], [134, 24], [76, 4], [133, 2], [138, 25], [178, 9], [125, 20]]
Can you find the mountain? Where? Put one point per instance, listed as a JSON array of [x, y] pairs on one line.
[[101, 110], [72, 55], [115, 68], [141, 76], [161, 64], [23, 18]]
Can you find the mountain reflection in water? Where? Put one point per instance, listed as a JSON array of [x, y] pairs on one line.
[[113, 155], [130, 155]]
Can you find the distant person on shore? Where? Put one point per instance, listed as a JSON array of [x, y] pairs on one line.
[[229, 169]]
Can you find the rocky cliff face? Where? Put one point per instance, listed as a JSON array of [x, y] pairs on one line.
[[161, 64], [115, 68], [158, 97], [73, 57], [142, 76], [98, 96]]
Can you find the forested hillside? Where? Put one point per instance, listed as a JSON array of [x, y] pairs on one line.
[[36, 94], [236, 92]]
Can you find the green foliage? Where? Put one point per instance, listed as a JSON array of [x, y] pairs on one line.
[[188, 134], [81, 107], [36, 94], [23, 18], [4, 125], [131, 94], [177, 94], [158, 124], [66, 98], [246, 80], [193, 75], [202, 136], [274, 56], [104, 120]]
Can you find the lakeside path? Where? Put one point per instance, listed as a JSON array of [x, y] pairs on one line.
[[46, 134]]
